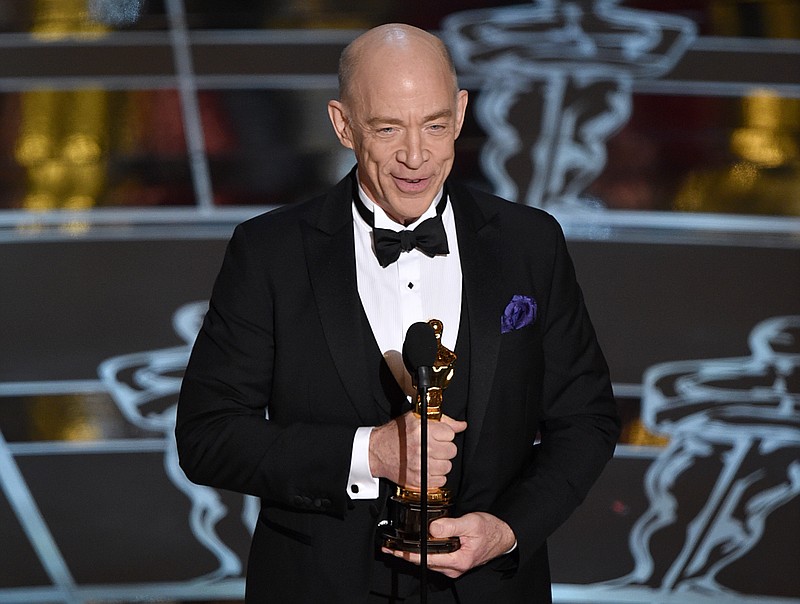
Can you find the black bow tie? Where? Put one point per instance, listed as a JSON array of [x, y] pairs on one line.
[[429, 236]]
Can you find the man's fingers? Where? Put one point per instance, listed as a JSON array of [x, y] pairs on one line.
[[408, 556], [442, 450], [446, 564], [483, 537], [439, 467], [395, 449]]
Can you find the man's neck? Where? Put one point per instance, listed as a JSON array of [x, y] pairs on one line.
[[381, 217]]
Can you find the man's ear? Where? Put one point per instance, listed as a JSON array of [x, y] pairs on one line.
[[461, 110], [341, 124]]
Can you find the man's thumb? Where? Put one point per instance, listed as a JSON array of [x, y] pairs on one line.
[[443, 527], [456, 425]]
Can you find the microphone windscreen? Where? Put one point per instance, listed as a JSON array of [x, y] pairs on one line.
[[419, 349]]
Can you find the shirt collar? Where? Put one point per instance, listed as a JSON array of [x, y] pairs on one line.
[[382, 220]]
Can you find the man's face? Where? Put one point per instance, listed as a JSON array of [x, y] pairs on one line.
[[401, 119]]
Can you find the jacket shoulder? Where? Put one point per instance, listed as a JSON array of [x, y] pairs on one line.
[[283, 217], [506, 214], [327, 211]]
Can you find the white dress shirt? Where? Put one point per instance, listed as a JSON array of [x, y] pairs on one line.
[[414, 288]]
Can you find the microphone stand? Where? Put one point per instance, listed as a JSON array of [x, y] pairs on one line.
[[423, 382]]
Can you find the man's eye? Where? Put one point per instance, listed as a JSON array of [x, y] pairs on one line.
[[387, 130], [436, 127]]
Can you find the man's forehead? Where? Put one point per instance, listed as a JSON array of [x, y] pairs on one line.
[[401, 61], [425, 91]]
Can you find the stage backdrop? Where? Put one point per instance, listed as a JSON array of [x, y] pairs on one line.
[[134, 136]]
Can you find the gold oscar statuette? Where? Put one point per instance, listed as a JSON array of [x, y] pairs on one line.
[[405, 532]]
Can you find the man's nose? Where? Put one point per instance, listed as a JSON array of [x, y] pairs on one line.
[[412, 152]]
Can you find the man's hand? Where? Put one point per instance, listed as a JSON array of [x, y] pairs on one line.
[[483, 537], [394, 450]]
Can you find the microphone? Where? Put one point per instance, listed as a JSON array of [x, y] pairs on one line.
[[419, 353]]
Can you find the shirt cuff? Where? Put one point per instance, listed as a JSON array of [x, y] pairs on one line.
[[361, 484], [513, 547]]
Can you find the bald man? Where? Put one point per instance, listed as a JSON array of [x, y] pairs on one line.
[[296, 392]]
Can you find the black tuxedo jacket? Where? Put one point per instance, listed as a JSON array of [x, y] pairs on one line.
[[285, 334]]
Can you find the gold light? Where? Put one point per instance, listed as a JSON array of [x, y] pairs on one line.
[[766, 136], [62, 136]]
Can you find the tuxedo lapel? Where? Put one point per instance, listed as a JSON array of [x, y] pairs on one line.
[[330, 255], [329, 246], [479, 239]]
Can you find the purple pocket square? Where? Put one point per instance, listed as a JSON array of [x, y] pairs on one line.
[[521, 311]]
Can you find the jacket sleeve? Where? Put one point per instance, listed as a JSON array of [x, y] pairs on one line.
[[224, 436]]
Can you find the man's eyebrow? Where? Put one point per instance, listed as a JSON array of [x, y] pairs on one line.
[[375, 121], [393, 121], [444, 113]]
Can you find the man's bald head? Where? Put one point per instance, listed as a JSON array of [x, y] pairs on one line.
[[396, 38], [401, 112]]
